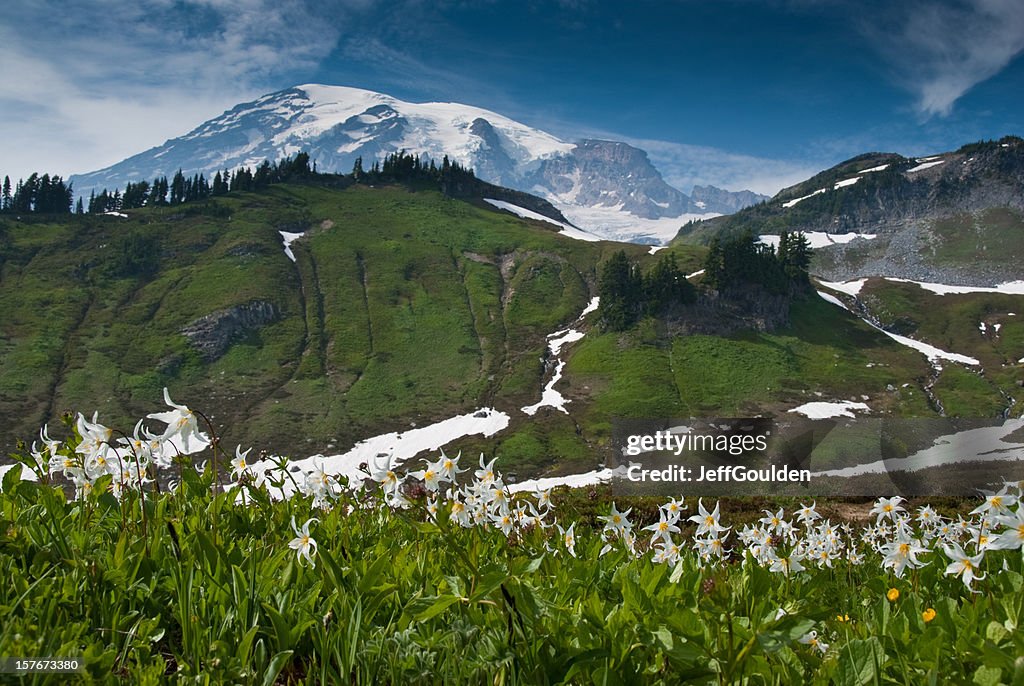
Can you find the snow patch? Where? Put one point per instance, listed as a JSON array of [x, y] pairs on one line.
[[848, 287], [656, 248], [593, 478], [881, 167], [549, 396], [400, 445], [111, 213], [846, 182], [930, 351], [1007, 288], [925, 165], [591, 307], [832, 299], [794, 201], [825, 410], [820, 239], [567, 229], [288, 239], [695, 274], [972, 445]]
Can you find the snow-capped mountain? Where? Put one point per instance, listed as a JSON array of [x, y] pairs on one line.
[[608, 187]]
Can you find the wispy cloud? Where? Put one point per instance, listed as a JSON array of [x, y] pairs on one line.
[[942, 50], [685, 166], [87, 84]]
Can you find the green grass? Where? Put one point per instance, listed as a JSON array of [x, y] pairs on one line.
[[951, 322], [395, 311], [185, 587], [824, 350], [995, 235]]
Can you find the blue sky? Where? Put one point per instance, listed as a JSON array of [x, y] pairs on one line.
[[739, 93]]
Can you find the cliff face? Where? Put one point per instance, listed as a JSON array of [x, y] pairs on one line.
[[610, 173]]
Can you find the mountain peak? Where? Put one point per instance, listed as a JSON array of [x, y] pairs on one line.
[[337, 124]]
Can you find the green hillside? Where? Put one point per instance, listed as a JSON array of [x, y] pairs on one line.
[[401, 308]]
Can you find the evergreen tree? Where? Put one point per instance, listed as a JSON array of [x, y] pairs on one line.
[[5, 204], [78, 207], [220, 187], [619, 289], [262, 178], [796, 258], [666, 286], [178, 188]]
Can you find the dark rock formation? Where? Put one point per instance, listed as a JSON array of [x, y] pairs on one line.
[[213, 334], [722, 314]]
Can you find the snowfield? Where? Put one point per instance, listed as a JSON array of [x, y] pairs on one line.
[[567, 229], [819, 239], [827, 410]]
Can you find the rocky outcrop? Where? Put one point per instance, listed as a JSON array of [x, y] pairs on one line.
[[722, 314], [213, 334]]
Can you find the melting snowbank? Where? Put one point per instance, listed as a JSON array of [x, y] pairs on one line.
[[400, 445], [930, 351], [550, 397], [819, 239], [593, 478], [567, 229], [826, 410], [288, 239]]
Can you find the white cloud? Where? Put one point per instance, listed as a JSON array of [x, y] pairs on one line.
[[88, 84], [942, 50]]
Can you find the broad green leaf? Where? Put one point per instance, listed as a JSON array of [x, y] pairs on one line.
[[277, 663], [859, 662]]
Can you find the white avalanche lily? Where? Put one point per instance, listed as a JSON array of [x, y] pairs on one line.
[[303, 544], [707, 522], [1013, 537], [240, 464], [182, 428], [887, 508], [965, 566], [812, 640]]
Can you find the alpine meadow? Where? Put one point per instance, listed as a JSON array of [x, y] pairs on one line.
[[518, 343]]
